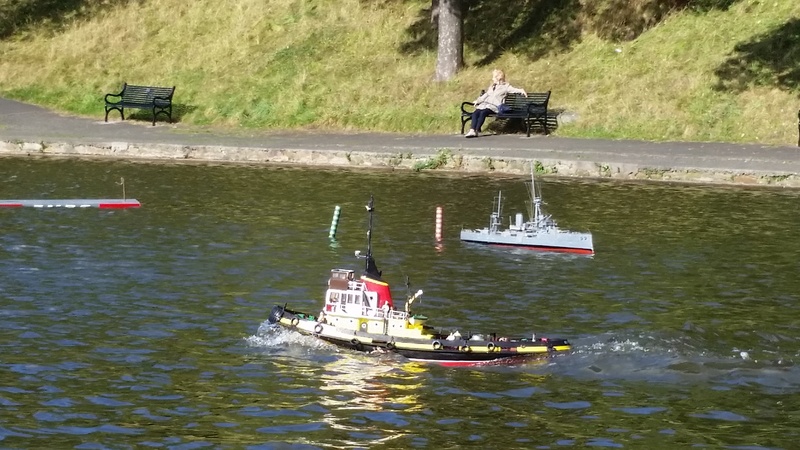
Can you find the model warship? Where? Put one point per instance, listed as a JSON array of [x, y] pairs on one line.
[[359, 314], [540, 232]]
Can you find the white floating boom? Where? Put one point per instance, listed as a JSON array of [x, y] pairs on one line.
[[106, 203]]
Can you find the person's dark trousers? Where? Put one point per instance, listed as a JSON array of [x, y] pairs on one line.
[[478, 117]]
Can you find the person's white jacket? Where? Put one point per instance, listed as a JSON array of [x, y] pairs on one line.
[[495, 95]]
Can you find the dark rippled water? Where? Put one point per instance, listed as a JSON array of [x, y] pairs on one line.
[[146, 328]]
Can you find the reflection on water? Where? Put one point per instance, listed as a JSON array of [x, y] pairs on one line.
[[146, 328], [356, 395], [365, 380]]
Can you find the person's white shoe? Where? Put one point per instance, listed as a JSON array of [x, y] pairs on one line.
[[471, 133]]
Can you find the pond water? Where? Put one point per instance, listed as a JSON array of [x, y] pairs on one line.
[[147, 327]]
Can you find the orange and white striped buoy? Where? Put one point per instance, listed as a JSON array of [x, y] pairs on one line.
[[438, 224]]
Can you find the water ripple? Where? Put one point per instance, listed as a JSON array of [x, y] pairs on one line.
[[147, 328]]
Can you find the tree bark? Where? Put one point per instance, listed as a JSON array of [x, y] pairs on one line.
[[450, 52]]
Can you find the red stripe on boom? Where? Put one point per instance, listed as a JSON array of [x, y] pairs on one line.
[[118, 205]]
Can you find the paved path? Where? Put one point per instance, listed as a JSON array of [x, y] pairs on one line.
[[22, 124]]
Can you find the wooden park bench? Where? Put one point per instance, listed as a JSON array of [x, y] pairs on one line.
[[530, 109], [157, 99]]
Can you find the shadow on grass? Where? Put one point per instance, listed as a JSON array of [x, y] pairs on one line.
[[146, 115], [19, 14], [517, 126], [491, 28], [179, 111], [536, 28], [769, 59]]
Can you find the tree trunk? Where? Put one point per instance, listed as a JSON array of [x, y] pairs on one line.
[[450, 53]]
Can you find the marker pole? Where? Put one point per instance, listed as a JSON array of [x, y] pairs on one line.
[[334, 222]]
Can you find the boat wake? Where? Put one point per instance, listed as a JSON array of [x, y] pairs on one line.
[[275, 340], [279, 339], [677, 360]]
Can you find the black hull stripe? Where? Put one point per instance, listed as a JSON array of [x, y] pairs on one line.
[[437, 355]]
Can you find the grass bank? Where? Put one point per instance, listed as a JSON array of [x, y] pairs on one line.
[[726, 72]]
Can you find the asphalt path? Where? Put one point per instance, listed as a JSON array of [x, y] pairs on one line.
[[20, 122]]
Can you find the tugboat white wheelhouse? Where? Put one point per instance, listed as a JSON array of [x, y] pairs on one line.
[[359, 314]]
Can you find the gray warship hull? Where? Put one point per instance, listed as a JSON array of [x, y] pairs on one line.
[[543, 240]]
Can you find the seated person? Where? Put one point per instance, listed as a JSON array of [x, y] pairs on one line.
[[489, 102]]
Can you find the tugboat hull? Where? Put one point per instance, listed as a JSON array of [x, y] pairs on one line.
[[440, 348]]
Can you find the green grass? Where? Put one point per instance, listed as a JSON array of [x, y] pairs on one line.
[[440, 160], [725, 72]]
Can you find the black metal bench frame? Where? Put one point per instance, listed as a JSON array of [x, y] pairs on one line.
[[155, 98], [530, 109]]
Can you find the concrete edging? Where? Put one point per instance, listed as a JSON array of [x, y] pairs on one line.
[[442, 160]]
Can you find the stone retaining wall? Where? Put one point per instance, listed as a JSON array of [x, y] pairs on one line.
[[443, 160]]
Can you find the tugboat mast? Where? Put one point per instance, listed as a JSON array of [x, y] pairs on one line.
[[370, 268], [370, 209]]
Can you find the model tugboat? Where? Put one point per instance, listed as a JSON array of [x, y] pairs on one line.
[[540, 232], [359, 314]]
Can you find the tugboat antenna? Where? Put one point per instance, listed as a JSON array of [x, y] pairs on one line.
[[370, 209], [370, 268]]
